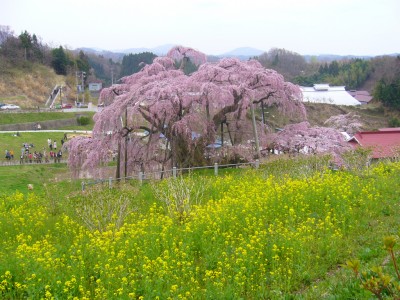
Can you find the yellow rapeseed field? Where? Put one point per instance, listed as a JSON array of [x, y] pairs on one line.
[[262, 238]]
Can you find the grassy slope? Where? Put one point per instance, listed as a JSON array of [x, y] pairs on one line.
[[17, 118], [28, 87], [373, 116], [38, 139], [16, 178]]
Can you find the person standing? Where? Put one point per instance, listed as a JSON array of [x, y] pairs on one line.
[[59, 156], [55, 145], [49, 143]]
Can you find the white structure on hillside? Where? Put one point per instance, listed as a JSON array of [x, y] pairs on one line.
[[323, 93], [95, 86]]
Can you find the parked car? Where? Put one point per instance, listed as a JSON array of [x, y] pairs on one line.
[[10, 107], [67, 105]]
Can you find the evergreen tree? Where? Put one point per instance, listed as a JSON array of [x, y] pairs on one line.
[[60, 61], [26, 43], [133, 63], [388, 93], [82, 62]]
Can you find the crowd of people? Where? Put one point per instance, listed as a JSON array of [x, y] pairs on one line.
[[29, 154]]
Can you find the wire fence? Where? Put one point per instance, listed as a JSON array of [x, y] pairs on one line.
[[20, 162], [159, 175]]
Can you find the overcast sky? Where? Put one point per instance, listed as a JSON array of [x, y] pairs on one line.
[[359, 27]]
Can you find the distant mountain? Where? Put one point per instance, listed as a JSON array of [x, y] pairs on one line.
[[159, 51], [115, 56], [162, 50], [243, 51], [90, 50], [332, 57]]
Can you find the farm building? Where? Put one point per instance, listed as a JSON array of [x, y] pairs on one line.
[[384, 143], [324, 93], [363, 96]]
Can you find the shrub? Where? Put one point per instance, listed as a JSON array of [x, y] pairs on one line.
[[357, 160], [376, 280], [83, 120], [99, 208], [180, 194], [394, 122]]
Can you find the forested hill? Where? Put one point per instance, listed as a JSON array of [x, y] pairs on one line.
[[354, 73]]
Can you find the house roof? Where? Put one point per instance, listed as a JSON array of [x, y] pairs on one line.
[[324, 93], [384, 143], [390, 129], [362, 96]]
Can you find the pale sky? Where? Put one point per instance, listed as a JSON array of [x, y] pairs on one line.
[[358, 27]]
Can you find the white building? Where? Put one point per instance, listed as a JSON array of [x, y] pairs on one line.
[[323, 93], [95, 86]]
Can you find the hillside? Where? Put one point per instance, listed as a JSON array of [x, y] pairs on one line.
[[29, 86], [373, 116]]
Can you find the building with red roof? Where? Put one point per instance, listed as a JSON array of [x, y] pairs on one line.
[[384, 143], [363, 96]]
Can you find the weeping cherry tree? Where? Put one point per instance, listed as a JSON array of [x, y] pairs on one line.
[[159, 117]]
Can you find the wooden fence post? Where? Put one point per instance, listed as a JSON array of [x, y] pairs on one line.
[[174, 172], [141, 175]]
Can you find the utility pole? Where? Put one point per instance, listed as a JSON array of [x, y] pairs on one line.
[[77, 87], [83, 87], [61, 96]]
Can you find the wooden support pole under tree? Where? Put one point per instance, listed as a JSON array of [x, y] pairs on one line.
[[118, 173], [253, 118], [126, 146], [263, 112], [222, 134]]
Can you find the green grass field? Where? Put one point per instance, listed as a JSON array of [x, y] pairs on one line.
[[38, 139], [12, 141], [16, 178], [16, 118]]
